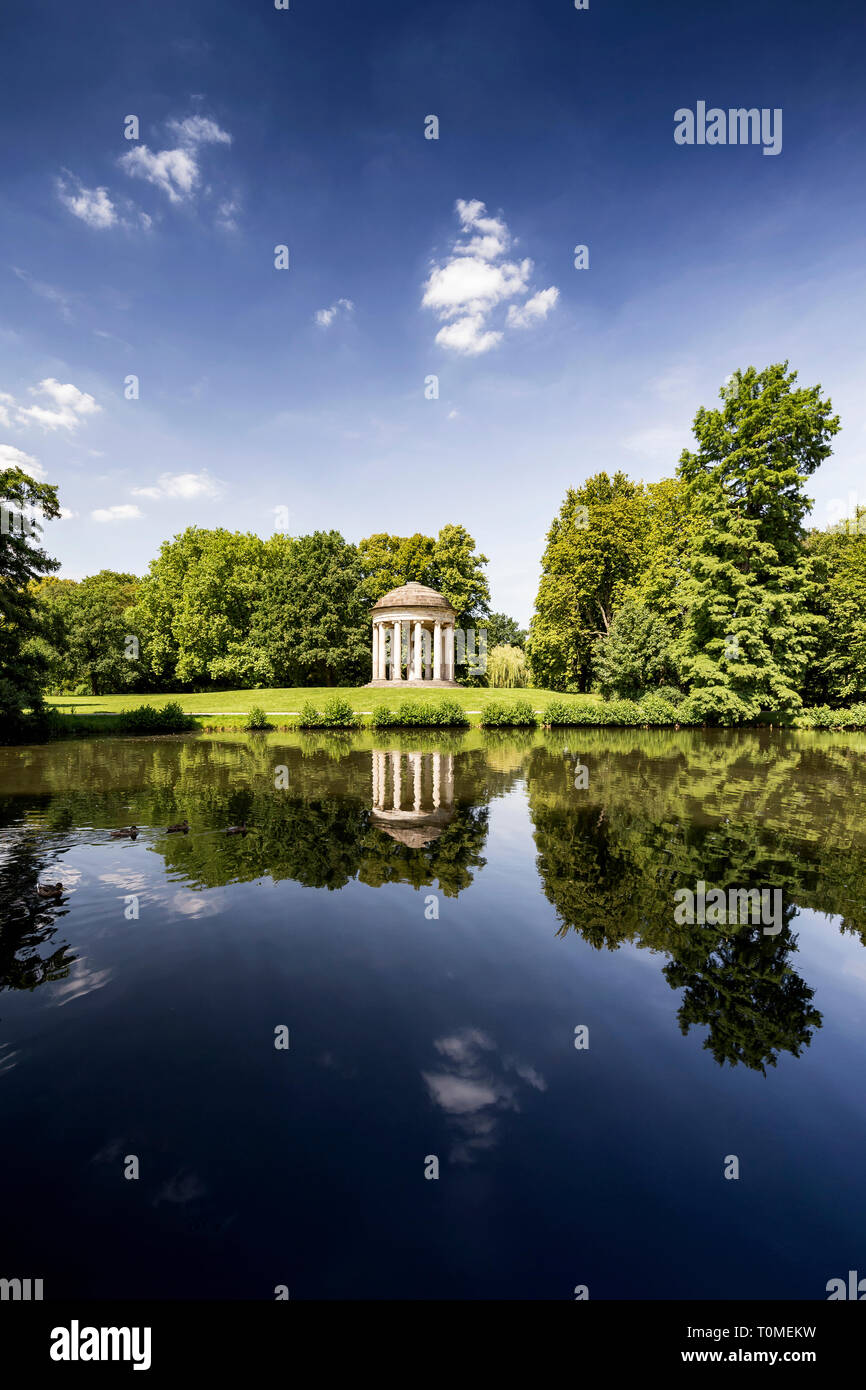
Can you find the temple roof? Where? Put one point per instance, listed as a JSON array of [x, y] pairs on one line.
[[413, 596]]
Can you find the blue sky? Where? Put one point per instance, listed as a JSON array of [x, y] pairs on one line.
[[300, 393]]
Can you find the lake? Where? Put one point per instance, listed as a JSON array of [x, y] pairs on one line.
[[433, 1027]]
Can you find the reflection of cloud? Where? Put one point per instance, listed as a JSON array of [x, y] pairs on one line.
[[6, 1062], [81, 982], [110, 1152], [181, 1187], [130, 882], [474, 1090], [195, 905]]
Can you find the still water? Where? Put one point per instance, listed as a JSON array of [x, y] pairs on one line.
[[432, 924]]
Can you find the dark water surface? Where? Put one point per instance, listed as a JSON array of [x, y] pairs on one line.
[[414, 1035]]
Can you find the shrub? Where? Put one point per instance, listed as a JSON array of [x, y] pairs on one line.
[[498, 715], [147, 719], [414, 713], [257, 719], [656, 710], [823, 717], [670, 693], [562, 712], [336, 713], [715, 705]]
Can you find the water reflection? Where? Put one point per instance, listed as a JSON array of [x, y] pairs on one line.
[[655, 811], [427, 782], [28, 922]]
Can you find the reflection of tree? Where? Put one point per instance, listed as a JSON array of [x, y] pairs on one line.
[[318, 828], [744, 990], [663, 810], [27, 922]]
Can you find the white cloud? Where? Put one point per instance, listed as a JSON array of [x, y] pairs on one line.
[[534, 310], [199, 130], [176, 171], [69, 406], [92, 205], [10, 457], [474, 280], [66, 514], [185, 486], [123, 511], [467, 336], [325, 317]]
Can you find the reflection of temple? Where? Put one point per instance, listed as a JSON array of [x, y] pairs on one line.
[[425, 782]]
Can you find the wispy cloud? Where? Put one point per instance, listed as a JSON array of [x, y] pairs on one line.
[[122, 511], [185, 486], [45, 291], [91, 205], [325, 317]]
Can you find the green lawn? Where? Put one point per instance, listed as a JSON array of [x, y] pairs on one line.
[[276, 702]]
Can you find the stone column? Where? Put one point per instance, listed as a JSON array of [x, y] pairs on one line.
[[396, 653], [437, 651], [375, 676], [418, 654]]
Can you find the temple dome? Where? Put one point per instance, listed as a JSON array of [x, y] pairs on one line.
[[413, 596]]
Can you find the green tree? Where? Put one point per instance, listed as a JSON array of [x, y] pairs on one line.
[[195, 610], [749, 633], [387, 562], [671, 529], [506, 668], [503, 631], [594, 554], [634, 655], [839, 671], [447, 563], [87, 626], [22, 562], [312, 623]]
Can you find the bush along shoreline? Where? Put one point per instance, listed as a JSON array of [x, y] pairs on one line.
[[651, 711]]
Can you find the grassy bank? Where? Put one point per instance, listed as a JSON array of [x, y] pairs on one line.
[[215, 706]]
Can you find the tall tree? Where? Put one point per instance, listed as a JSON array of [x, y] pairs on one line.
[[389, 561], [312, 622], [447, 563], [87, 632], [839, 671], [749, 633], [503, 631], [594, 553], [25, 505], [195, 609]]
